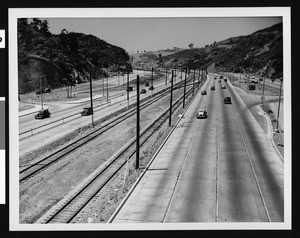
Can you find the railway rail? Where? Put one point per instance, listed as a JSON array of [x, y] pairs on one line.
[[39, 166], [68, 208]]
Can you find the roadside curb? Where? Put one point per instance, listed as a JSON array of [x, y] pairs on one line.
[[270, 130]]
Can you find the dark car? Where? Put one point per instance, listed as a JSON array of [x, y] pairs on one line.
[[212, 88], [221, 76], [203, 92], [143, 91], [151, 88], [227, 100], [46, 90], [38, 92], [147, 84], [202, 113], [44, 113], [223, 87], [225, 79], [86, 111], [129, 89], [251, 87]]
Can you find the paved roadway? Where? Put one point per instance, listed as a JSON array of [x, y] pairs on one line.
[[219, 169], [55, 131]]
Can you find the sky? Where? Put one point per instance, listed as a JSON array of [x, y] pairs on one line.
[[150, 34]]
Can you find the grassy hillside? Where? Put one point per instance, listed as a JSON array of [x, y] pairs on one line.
[[64, 59], [260, 52]]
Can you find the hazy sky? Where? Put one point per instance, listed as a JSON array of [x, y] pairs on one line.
[[134, 34]]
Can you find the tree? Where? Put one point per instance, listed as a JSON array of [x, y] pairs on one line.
[[191, 45]]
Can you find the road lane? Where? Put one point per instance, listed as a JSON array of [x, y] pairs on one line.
[[267, 164], [220, 169]]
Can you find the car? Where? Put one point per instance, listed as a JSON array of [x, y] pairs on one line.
[[46, 90], [202, 113], [215, 77], [221, 76], [227, 100], [225, 79], [203, 92], [212, 88], [151, 88], [147, 84], [143, 91], [38, 92], [129, 89], [43, 113], [223, 87], [86, 111], [219, 81], [251, 87]]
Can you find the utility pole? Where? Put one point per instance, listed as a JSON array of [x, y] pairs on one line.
[[127, 89], [263, 92], [181, 74], [171, 99], [166, 77], [41, 93], [184, 87], [193, 82], [107, 89], [137, 122], [240, 77], [91, 95], [199, 78], [279, 102], [175, 74], [152, 82]]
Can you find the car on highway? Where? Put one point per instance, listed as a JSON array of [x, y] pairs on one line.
[[202, 113], [225, 79], [203, 92], [43, 113], [46, 90], [86, 111], [143, 91], [212, 88], [151, 88], [227, 100], [147, 84], [129, 89], [219, 80], [223, 87]]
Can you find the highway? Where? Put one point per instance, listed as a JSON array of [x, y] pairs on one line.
[[58, 125], [220, 169]]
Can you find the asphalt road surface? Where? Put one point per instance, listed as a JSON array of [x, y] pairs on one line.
[[219, 169]]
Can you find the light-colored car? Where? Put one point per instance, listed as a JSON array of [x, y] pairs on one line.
[[202, 113], [223, 87]]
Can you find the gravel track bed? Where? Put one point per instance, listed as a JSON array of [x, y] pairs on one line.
[[40, 193]]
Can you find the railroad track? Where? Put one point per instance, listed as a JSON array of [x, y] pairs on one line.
[[68, 208], [35, 168]]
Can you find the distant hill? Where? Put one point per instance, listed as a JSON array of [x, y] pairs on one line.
[[64, 59], [260, 52]]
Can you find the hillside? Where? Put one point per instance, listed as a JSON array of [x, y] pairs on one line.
[[260, 52], [64, 59]]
